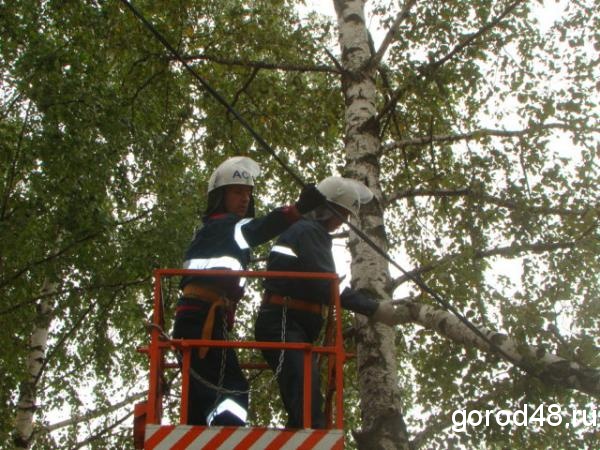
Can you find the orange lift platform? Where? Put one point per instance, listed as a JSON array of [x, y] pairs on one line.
[[151, 433]]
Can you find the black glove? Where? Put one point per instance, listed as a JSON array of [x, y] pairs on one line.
[[310, 198], [358, 302]]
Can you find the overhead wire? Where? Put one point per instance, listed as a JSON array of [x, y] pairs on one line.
[[212, 91], [415, 278]]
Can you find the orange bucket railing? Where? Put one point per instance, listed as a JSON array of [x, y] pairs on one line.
[[160, 345]]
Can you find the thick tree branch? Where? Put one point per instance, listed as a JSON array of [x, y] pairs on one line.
[[507, 252], [260, 64], [548, 367], [340, 235], [389, 37]]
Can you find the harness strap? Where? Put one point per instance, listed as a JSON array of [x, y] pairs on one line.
[[292, 303], [204, 293]]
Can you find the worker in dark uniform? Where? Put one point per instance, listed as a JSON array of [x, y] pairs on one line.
[[207, 307], [306, 247]]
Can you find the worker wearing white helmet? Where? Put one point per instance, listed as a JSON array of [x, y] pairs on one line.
[[307, 247], [345, 192], [237, 171], [228, 232]]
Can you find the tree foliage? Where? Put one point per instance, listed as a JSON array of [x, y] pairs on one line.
[[486, 116]]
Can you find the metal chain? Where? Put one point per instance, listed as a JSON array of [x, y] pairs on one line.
[[219, 387], [162, 332], [223, 356], [193, 373], [282, 351]]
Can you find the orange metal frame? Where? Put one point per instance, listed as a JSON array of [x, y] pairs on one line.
[[159, 346]]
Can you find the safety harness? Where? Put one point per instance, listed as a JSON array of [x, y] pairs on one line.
[[205, 294]]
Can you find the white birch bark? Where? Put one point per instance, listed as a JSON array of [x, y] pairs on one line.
[[37, 352], [550, 368], [382, 421]]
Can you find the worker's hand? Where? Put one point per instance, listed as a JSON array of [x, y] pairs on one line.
[[386, 314], [310, 198]]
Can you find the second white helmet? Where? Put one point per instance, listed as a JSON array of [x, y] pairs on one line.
[[236, 170], [345, 192]]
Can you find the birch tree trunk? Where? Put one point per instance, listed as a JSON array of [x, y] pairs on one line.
[[381, 414], [37, 352]]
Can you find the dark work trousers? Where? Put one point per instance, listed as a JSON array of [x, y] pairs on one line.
[[202, 400], [300, 327]]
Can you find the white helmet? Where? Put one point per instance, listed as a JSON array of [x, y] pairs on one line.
[[345, 192], [236, 170]]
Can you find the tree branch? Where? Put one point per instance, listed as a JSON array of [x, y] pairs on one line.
[[337, 64], [395, 96], [50, 257], [10, 176], [259, 64], [58, 293], [245, 86], [479, 134], [463, 44], [431, 67], [482, 197], [94, 413], [69, 246], [508, 251], [388, 94], [389, 37], [7, 106], [103, 431], [340, 235], [535, 361]]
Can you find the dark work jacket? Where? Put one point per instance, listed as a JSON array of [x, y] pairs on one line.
[[306, 247], [224, 242]]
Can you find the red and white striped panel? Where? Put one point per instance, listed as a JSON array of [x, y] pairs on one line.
[[180, 437]]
